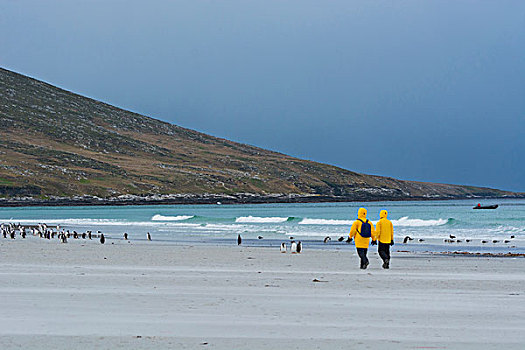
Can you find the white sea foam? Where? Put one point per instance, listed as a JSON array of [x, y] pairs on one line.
[[159, 217], [405, 221], [307, 221], [256, 219], [95, 222]]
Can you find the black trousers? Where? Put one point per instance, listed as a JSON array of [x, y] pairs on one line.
[[362, 255], [384, 251]]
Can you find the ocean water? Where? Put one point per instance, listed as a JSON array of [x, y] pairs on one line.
[[431, 221]]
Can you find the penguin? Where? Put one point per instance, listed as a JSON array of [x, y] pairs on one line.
[[260, 237], [495, 241], [126, 236], [75, 235], [512, 237], [299, 247], [102, 238], [326, 239], [24, 234], [283, 247], [458, 240], [239, 239], [452, 236], [89, 234], [340, 239], [64, 238], [291, 237], [293, 248], [83, 235], [148, 236], [406, 239], [506, 241], [484, 241], [420, 240], [468, 240]]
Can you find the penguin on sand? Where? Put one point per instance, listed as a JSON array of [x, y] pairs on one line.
[[148, 236], [293, 248], [126, 236], [299, 247], [407, 238], [102, 238], [327, 239], [239, 239], [283, 247]]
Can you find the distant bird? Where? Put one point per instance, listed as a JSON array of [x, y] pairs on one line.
[[420, 240], [293, 248], [340, 239], [512, 237], [291, 237], [407, 238], [283, 247], [495, 241], [458, 241], [148, 236], [260, 237], [64, 238], [102, 238], [506, 241], [239, 239], [299, 247], [349, 239], [484, 241], [126, 236], [327, 238], [83, 235], [452, 236], [89, 234], [468, 240]]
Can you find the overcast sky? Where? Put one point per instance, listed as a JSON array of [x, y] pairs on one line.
[[417, 90]]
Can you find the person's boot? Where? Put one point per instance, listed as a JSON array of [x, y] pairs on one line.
[[365, 265], [386, 264]]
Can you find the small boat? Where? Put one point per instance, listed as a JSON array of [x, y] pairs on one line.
[[479, 206]]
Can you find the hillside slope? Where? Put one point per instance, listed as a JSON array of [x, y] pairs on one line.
[[57, 145]]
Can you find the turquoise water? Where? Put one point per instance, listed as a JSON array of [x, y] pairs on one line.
[[430, 220]]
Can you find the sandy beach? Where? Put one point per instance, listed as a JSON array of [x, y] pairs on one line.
[[145, 295]]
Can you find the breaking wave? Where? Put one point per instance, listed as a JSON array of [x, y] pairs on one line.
[[307, 221], [159, 217], [261, 220], [405, 221]]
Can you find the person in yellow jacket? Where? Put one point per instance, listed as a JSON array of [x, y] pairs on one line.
[[385, 233], [361, 231]]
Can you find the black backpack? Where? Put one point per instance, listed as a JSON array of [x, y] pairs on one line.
[[366, 229]]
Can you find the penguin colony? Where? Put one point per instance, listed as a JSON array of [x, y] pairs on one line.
[[43, 231]]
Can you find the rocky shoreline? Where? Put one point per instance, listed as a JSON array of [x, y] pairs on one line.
[[244, 198]]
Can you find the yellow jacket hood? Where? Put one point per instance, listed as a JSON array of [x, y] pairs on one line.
[[383, 214], [361, 214]]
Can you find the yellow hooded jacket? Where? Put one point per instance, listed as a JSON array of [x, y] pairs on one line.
[[361, 242], [384, 228]]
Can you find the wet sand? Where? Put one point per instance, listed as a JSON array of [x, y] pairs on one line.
[[145, 295]]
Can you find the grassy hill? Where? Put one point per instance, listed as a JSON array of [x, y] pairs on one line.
[[59, 146]]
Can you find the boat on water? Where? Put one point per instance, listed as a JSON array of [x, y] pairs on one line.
[[479, 206]]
